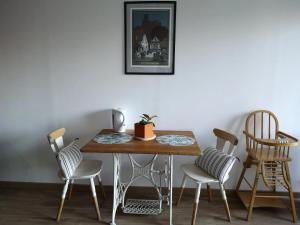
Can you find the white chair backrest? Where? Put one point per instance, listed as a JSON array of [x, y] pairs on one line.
[[222, 138], [56, 140]]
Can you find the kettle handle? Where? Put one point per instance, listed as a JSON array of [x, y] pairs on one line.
[[123, 118]]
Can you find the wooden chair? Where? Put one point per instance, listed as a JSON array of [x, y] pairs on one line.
[[201, 177], [87, 169], [268, 149]]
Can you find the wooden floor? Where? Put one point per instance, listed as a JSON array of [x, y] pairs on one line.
[[27, 206]]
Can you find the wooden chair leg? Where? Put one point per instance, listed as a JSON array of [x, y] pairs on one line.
[[70, 189], [247, 164], [223, 193], [102, 191], [181, 190], [293, 207], [195, 207], [209, 193], [253, 194], [95, 198], [61, 205], [63, 196], [290, 190], [241, 179]]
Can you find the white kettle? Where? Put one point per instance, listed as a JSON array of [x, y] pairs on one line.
[[118, 120]]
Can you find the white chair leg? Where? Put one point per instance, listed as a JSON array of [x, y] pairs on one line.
[[63, 196], [71, 189], [102, 191], [223, 193], [195, 207], [95, 198], [181, 190]]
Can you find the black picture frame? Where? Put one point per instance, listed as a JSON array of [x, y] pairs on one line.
[[149, 34]]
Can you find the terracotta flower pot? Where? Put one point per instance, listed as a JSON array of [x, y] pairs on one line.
[[143, 131]]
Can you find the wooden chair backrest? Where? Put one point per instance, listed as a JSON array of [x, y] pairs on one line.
[[56, 140], [222, 138], [262, 124]]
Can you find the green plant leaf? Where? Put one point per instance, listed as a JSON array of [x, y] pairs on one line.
[[144, 118], [143, 122], [153, 117], [147, 116]]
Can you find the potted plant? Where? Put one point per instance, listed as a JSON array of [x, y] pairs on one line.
[[144, 129]]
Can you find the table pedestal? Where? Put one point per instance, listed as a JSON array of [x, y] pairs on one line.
[[138, 206]]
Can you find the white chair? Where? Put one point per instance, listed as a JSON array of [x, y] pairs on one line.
[[201, 176], [74, 167]]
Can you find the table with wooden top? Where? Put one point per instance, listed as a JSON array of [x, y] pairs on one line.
[[146, 171]]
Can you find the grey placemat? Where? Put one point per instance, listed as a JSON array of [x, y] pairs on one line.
[[113, 138], [175, 140]]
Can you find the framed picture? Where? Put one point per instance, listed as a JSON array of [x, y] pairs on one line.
[[150, 37]]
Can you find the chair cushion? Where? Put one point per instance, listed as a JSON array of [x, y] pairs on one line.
[[69, 158], [215, 163]]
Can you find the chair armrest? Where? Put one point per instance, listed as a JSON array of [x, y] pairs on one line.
[[260, 141], [252, 138], [285, 135], [273, 142]]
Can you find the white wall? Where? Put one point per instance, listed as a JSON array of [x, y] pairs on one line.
[[61, 64]]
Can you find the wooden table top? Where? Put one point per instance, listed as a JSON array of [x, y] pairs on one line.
[[144, 147]]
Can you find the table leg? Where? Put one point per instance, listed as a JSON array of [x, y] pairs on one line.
[[116, 186], [171, 188]]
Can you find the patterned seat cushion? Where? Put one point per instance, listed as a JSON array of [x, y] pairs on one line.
[[215, 163], [69, 159]]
